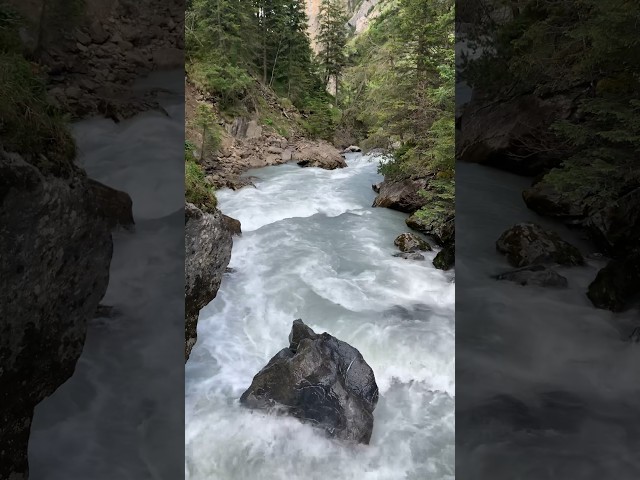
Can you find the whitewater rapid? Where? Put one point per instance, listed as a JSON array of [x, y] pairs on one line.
[[547, 384], [314, 248], [120, 415]]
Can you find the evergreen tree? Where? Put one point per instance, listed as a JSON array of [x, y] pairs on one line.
[[332, 39]]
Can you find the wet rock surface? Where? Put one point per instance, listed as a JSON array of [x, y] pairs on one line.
[[527, 244], [408, 242], [401, 195], [537, 275], [56, 252], [208, 243], [409, 256], [320, 380], [617, 284], [446, 258]]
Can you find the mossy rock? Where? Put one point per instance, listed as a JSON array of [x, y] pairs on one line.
[[529, 244], [617, 284], [408, 242], [446, 258]]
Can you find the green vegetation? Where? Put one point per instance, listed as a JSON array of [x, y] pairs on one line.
[[29, 125], [197, 191], [400, 87], [332, 39], [232, 45], [584, 47]]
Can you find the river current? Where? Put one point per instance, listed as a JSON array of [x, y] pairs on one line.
[[314, 248]]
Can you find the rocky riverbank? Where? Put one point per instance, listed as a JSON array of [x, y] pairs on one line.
[[600, 198]]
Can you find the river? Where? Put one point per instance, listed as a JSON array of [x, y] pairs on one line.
[[314, 248], [547, 384], [120, 414]]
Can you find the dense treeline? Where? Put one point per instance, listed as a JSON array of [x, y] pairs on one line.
[[585, 48], [400, 88], [231, 44]]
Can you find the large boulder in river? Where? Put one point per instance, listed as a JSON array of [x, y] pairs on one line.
[[320, 380], [56, 252], [446, 258], [317, 154], [408, 242], [208, 246], [529, 244], [401, 195], [617, 284], [439, 224]]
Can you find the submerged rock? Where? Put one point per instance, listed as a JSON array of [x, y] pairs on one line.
[[538, 275], [56, 252], [617, 284], [529, 244], [208, 246], [446, 258], [320, 380], [409, 255], [408, 242]]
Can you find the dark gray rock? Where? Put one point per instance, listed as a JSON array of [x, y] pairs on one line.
[[409, 256], [408, 242], [56, 252], [320, 380], [446, 258], [529, 244], [441, 226], [617, 284], [114, 205], [401, 195], [208, 246], [537, 275]]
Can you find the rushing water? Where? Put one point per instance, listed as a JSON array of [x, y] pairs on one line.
[[115, 418], [547, 384], [314, 248]]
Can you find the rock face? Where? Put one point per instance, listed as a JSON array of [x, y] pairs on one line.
[[400, 195], [114, 205], [318, 154], [321, 380], [408, 242], [208, 246], [56, 252], [538, 275], [527, 244], [512, 134], [617, 284], [94, 60]]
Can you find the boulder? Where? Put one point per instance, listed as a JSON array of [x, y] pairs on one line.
[[512, 134], [440, 225], [208, 245], [616, 227], [232, 225], [537, 275], [446, 258], [527, 244], [56, 253], [408, 242], [352, 149], [319, 380], [318, 154], [114, 205], [409, 256], [401, 195], [617, 284]]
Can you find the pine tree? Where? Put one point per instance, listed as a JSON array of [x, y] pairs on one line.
[[332, 39]]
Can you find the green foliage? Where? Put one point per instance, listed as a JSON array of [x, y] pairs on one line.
[[400, 86], [197, 191], [332, 39], [585, 46], [207, 122], [440, 197], [29, 125], [232, 44]]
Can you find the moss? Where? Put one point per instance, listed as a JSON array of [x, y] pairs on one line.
[[197, 191], [29, 125]]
